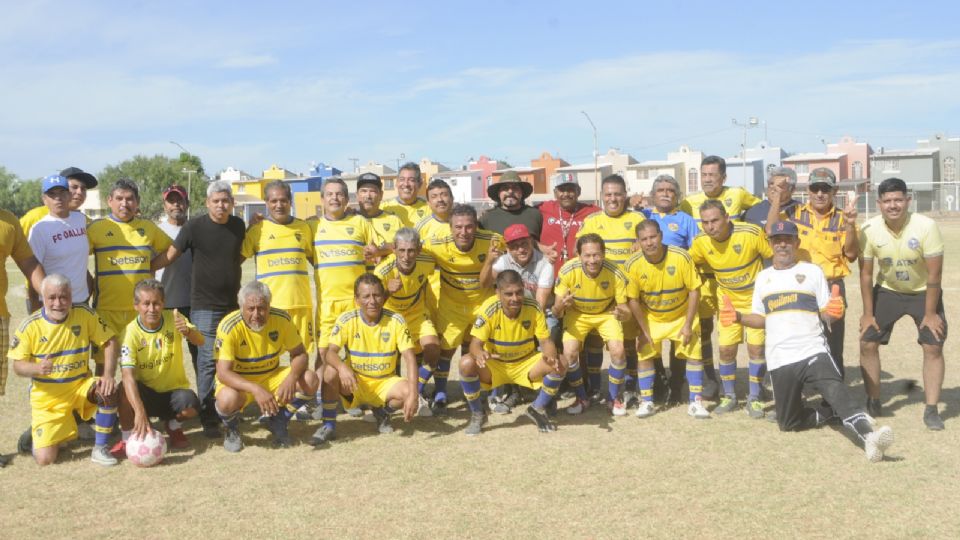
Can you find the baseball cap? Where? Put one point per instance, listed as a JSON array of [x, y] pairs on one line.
[[369, 178], [54, 181], [822, 175], [784, 228], [563, 179], [73, 172], [175, 189], [515, 232]]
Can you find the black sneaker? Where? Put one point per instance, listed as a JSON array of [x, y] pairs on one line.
[[513, 398], [322, 436], [232, 441], [277, 424], [439, 407], [874, 408], [931, 418], [383, 421], [211, 431], [475, 425], [3, 461], [25, 443], [540, 418]]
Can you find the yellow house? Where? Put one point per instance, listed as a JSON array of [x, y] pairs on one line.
[[307, 204], [428, 168], [277, 173]]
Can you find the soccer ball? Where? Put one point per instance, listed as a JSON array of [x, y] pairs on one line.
[[148, 451]]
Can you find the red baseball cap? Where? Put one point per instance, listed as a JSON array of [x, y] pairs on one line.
[[516, 232], [175, 189]]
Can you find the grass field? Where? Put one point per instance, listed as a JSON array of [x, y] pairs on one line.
[[667, 476]]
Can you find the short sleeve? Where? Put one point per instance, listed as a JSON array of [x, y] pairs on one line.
[[541, 331], [932, 243], [184, 238], [757, 304], [620, 288], [500, 264], [822, 289], [291, 338], [127, 348], [404, 339], [561, 287], [481, 328], [545, 277], [249, 247], [763, 246], [691, 277], [21, 347], [692, 232], [99, 332], [223, 347], [20, 249], [339, 334]]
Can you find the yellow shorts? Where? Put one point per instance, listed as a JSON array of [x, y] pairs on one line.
[[734, 335], [420, 326], [516, 372], [302, 318], [577, 325], [330, 311], [269, 381], [454, 323], [630, 330], [117, 320], [433, 295], [52, 406], [371, 391], [670, 331], [708, 298]]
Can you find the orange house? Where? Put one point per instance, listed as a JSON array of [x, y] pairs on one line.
[[548, 163], [535, 176]]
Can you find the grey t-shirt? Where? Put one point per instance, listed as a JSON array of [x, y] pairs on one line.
[[176, 277], [538, 273], [497, 219]]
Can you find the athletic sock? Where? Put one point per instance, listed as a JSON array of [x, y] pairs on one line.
[[694, 378], [440, 376], [859, 424], [549, 389], [329, 413], [299, 400], [615, 380], [728, 377], [575, 380], [756, 376], [423, 376], [630, 380], [645, 381], [594, 360], [471, 392], [232, 420], [104, 420]]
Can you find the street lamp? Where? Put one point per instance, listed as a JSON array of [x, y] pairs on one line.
[[189, 174], [751, 122], [596, 158]]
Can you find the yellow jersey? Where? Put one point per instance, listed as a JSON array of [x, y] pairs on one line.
[[592, 295], [736, 261], [284, 255], [371, 349], [618, 233], [735, 199], [900, 256], [409, 214], [155, 356], [13, 244], [255, 353], [338, 254], [821, 240], [67, 343], [431, 228], [510, 339], [460, 270], [122, 253], [663, 287], [409, 300], [385, 227], [32, 217]]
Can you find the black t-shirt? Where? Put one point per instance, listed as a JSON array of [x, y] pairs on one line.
[[216, 261], [497, 219]]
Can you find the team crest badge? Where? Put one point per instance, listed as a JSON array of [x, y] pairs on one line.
[[349, 230], [420, 278], [274, 335], [141, 232], [525, 324], [478, 323], [800, 277], [913, 243], [673, 227], [627, 225], [604, 284], [169, 336], [482, 257], [385, 337], [336, 330], [15, 342], [737, 248], [386, 226], [298, 236], [75, 330], [728, 202], [671, 270], [886, 261], [218, 344], [420, 212], [39, 432], [143, 342]]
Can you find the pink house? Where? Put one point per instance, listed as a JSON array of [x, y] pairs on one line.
[[858, 156], [804, 163], [486, 166]]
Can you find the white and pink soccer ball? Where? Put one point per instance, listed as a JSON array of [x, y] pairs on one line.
[[148, 451]]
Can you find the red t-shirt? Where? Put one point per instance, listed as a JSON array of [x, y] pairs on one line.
[[560, 227]]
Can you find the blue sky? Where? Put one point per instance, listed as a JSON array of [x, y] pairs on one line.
[[249, 84]]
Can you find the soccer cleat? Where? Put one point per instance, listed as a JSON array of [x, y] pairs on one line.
[[630, 399], [178, 439], [754, 408], [646, 409], [568, 394], [475, 425], [85, 431], [710, 388], [513, 397], [597, 397], [101, 456], [423, 407], [931, 418], [383, 421], [303, 413], [277, 424], [697, 410], [119, 450], [617, 408], [323, 435], [874, 408], [727, 404], [232, 441], [540, 419], [355, 412], [499, 407], [877, 442], [439, 407], [578, 406], [25, 443]]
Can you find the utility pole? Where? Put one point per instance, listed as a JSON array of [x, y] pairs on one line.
[[355, 162], [596, 159], [751, 122]]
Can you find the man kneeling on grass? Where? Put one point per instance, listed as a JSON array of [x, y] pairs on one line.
[[151, 367], [790, 300]]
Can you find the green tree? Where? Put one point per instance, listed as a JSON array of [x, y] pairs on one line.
[[16, 195], [153, 175]]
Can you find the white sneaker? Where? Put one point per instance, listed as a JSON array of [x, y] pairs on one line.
[[578, 407], [101, 456], [877, 442], [646, 409], [697, 410], [369, 418], [618, 408], [85, 431], [423, 407]]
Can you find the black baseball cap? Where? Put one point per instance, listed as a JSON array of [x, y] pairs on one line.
[[369, 178], [784, 228], [88, 179]]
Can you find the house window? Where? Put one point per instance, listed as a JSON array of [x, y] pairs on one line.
[[693, 180], [949, 169], [643, 174], [240, 188], [803, 168], [887, 164], [388, 184], [453, 181], [858, 169]]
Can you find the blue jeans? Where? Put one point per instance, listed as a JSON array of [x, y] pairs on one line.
[[206, 321]]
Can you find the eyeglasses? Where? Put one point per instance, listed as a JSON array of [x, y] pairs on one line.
[[821, 188]]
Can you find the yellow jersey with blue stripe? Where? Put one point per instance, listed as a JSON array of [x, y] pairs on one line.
[[510, 339], [122, 252], [155, 356], [663, 286], [618, 233], [338, 254], [460, 270], [735, 262], [255, 353], [592, 294], [431, 228], [283, 255], [735, 199], [409, 300], [384, 227], [371, 348], [66, 343], [409, 214]]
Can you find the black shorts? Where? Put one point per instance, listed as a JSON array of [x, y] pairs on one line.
[[166, 405], [890, 306]]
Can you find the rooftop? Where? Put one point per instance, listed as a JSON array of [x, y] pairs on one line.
[[921, 152], [814, 156]]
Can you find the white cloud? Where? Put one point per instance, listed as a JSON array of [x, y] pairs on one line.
[[247, 61]]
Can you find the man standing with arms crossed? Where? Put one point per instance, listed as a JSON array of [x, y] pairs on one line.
[[176, 278]]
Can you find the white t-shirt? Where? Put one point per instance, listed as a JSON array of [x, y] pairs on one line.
[[538, 273], [61, 246], [177, 277], [791, 301]]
